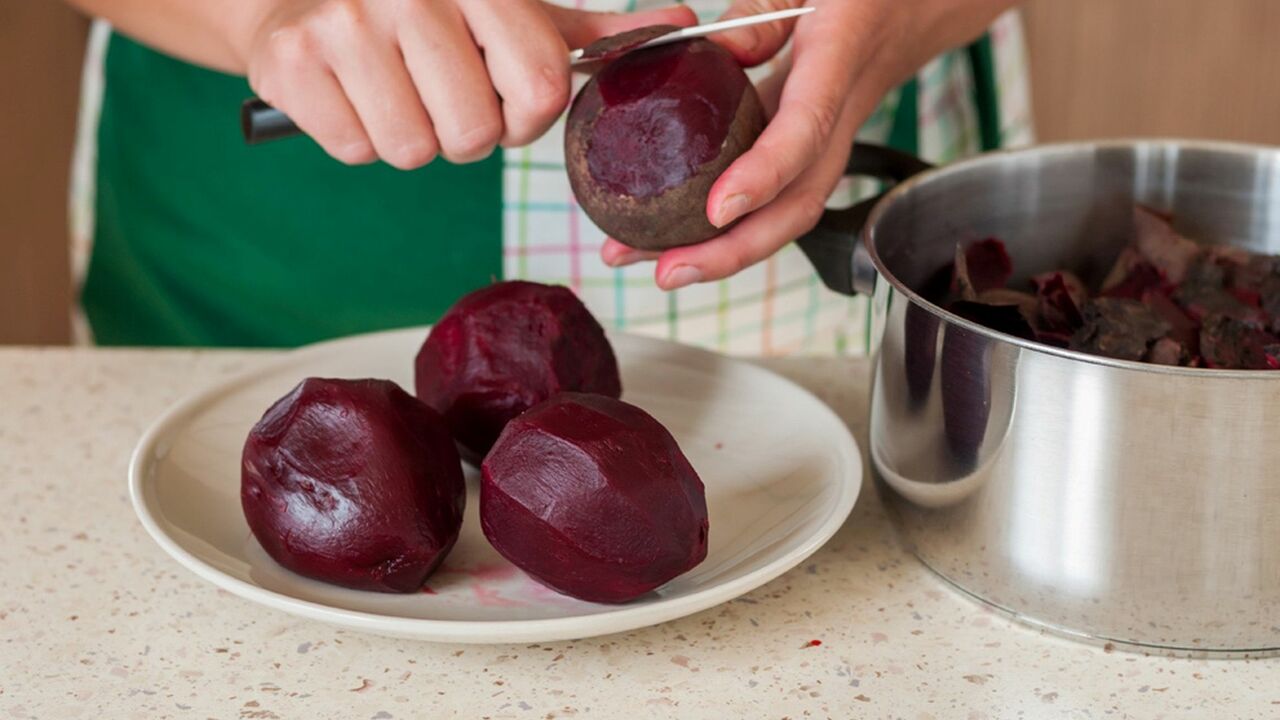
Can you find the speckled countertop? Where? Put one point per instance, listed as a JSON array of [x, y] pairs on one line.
[[97, 622]]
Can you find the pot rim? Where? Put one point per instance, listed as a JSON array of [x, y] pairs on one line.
[[998, 156]]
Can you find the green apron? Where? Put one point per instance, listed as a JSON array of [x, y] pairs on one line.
[[200, 240]]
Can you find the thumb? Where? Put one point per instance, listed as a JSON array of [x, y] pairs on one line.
[[580, 28], [757, 43]]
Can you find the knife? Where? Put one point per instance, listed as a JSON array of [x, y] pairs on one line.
[[259, 122]]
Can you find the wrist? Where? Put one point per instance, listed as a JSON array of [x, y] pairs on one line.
[[244, 22]]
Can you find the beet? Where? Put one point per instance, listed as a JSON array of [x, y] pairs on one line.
[[593, 498], [649, 134], [505, 348], [353, 482]]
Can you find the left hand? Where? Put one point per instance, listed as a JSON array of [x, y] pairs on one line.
[[846, 57]]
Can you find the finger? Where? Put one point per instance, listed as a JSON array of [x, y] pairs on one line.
[[770, 87], [528, 64], [615, 254], [374, 78], [810, 105], [452, 80], [580, 28], [292, 77], [793, 213], [757, 43]]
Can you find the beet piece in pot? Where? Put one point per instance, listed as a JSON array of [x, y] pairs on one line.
[[1161, 245], [353, 482], [1227, 342], [505, 348], [1183, 329], [1167, 351], [1203, 292], [1118, 328], [592, 497], [983, 265], [1057, 306], [1140, 278]]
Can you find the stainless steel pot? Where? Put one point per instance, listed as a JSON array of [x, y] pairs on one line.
[[1111, 500]]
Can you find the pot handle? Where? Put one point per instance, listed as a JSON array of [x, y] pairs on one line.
[[835, 246]]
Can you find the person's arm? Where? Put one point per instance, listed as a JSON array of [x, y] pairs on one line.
[[404, 80], [845, 58]]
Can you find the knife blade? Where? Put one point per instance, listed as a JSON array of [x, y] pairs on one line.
[[697, 31]]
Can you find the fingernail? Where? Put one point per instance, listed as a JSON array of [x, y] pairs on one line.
[[680, 276], [624, 258], [733, 207]]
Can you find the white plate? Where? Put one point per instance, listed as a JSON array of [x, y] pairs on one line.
[[781, 471]]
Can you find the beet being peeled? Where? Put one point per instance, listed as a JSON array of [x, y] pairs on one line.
[[353, 482], [649, 134], [505, 348], [592, 497]]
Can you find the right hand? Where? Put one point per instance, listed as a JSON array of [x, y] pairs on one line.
[[407, 80]]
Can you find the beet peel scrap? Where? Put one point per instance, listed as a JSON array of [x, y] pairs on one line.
[[1166, 300]]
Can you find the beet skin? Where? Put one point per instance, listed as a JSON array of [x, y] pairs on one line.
[[592, 497], [353, 482], [505, 348]]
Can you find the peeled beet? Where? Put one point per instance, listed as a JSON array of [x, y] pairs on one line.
[[505, 348], [649, 134], [593, 498], [353, 482]]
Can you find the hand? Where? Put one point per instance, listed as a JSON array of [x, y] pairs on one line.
[[407, 80], [846, 56]]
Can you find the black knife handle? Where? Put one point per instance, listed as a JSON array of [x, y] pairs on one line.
[[262, 123]]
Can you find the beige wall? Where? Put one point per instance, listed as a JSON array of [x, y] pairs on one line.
[[1100, 67], [41, 45], [1186, 68]]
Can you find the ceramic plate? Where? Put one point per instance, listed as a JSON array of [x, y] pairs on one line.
[[781, 472]]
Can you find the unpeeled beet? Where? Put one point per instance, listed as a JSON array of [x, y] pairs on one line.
[[592, 497], [353, 482], [505, 348]]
